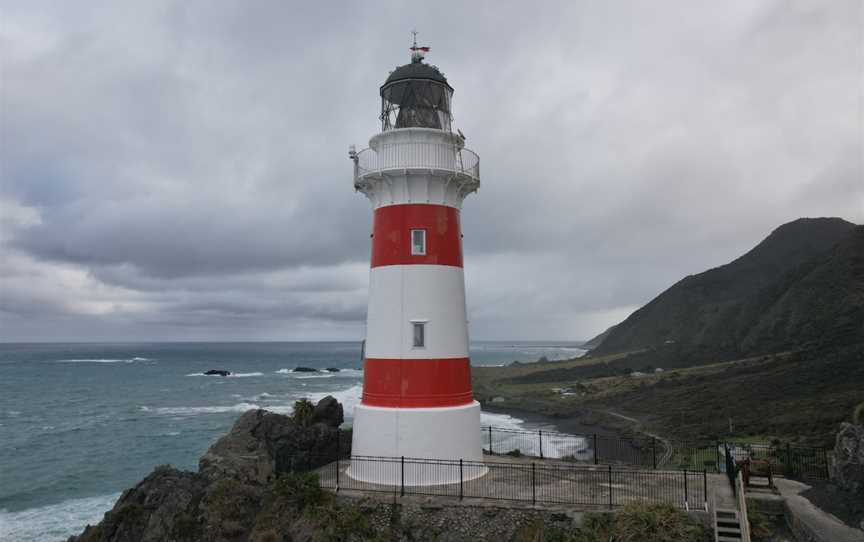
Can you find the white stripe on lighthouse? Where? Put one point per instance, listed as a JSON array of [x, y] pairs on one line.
[[400, 294]]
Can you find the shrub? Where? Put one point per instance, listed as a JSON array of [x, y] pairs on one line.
[[858, 415], [514, 453], [303, 411], [595, 528], [301, 489], [761, 529], [643, 522]]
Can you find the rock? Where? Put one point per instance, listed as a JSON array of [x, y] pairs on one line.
[[302, 369], [262, 444], [329, 412], [217, 372], [149, 511], [847, 468], [333, 369], [221, 501]]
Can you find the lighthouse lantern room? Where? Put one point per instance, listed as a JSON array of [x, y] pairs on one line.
[[417, 400]]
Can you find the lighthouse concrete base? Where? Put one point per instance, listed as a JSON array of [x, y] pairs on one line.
[[382, 436]]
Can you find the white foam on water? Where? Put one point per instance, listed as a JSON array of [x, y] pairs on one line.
[[500, 420], [284, 371], [356, 373], [192, 411], [349, 397], [527, 439], [95, 361], [329, 375], [56, 521], [232, 375], [102, 360]]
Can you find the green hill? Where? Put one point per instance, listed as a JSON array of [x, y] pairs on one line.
[[801, 286]]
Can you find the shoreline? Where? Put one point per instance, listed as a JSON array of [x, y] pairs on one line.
[[569, 425]]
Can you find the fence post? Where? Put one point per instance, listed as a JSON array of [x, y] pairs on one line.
[[825, 462], [654, 451], [461, 490], [686, 493], [490, 441], [610, 487], [788, 470], [402, 486], [596, 451], [540, 432], [337, 472], [705, 487], [717, 453], [533, 484]]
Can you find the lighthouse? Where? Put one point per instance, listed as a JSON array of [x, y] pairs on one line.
[[417, 400]]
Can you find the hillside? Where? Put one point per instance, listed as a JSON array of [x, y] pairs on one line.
[[802, 285]]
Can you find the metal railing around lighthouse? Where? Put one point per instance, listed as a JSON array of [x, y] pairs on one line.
[[418, 155], [531, 482]]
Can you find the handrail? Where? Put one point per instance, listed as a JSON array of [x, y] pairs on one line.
[[421, 155], [741, 502]]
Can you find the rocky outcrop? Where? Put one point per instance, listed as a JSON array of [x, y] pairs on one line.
[[233, 483], [847, 468], [263, 443]]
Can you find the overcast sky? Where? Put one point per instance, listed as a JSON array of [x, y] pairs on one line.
[[179, 170]]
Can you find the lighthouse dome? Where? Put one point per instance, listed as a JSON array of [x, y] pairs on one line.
[[416, 95], [416, 70]]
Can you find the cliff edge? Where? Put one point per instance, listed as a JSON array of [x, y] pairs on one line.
[[232, 494]]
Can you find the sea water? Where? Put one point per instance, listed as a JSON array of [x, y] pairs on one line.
[[80, 422]]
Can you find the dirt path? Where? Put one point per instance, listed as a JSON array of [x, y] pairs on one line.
[[667, 445]]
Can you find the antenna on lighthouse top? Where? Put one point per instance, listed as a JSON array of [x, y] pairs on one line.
[[417, 53]]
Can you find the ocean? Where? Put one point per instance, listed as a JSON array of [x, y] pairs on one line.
[[79, 422]]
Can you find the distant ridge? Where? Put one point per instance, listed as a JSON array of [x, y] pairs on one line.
[[803, 284]]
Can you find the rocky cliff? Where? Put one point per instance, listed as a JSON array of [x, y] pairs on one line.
[[233, 496]]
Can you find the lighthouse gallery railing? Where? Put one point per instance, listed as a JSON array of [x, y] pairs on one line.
[[419, 155]]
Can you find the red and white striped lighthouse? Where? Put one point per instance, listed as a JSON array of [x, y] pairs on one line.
[[417, 400]]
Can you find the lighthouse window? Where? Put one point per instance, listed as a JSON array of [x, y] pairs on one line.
[[418, 242], [419, 334]]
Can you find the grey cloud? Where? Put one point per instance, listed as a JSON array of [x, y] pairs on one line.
[[187, 160]]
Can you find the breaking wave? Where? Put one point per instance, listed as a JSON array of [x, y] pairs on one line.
[[102, 360], [55, 521]]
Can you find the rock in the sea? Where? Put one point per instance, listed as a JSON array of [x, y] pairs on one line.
[[333, 369], [217, 372], [302, 369], [847, 468]]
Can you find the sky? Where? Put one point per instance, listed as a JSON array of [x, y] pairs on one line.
[[178, 170]]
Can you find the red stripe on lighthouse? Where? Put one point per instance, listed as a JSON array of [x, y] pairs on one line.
[[415, 383], [391, 237]]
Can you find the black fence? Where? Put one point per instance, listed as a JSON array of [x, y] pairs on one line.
[[654, 453], [605, 486]]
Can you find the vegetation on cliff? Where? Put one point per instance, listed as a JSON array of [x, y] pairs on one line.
[[802, 285], [770, 345]]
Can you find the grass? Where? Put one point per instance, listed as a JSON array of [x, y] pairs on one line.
[[797, 397]]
